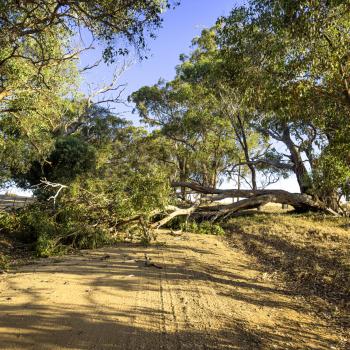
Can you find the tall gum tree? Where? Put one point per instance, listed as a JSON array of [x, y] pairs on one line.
[[203, 143], [284, 67], [38, 65], [293, 77]]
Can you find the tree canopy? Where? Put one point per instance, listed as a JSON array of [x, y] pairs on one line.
[[39, 74]]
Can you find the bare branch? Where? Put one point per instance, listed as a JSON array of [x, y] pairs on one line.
[[89, 67], [47, 184], [110, 87], [177, 212]]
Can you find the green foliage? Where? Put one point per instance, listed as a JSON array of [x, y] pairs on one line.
[[49, 130], [204, 228], [141, 232], [71, 157], [188, 116], [35, 222], [107, 21], [332, 173], [111, 173], [4, 262], [32, 225], [264, 93], [53, 232], [283, 69], [46, 246], [38, 72], [8, 222], [90, 237]]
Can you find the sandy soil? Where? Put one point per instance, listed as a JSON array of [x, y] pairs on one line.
[[207, 295]]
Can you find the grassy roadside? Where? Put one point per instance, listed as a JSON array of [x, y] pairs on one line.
[[311, 253]]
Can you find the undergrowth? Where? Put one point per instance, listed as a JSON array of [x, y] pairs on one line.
[[51, 232], [204, 228], [4, 262]]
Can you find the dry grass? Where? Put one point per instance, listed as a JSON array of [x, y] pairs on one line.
[[310, 252]]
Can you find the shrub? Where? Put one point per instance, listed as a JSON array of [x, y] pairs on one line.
[[204, 228], [35, 222], [53, 231], [88, 237], [47, 246], [4, 262], [8, 222]]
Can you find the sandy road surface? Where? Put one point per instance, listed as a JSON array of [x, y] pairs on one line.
[[206, 296]]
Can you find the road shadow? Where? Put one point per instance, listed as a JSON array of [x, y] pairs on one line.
[[305, 269], [33, 322]]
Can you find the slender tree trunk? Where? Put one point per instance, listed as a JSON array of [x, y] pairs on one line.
[[299, 168], [239, 179], [183, 176], [213, 179], [242, 138]]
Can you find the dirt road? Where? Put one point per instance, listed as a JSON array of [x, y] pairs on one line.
[[207, 295]]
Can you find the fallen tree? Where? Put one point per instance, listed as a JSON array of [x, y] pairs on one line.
[[175, 212], [208, 208], [252, 199]]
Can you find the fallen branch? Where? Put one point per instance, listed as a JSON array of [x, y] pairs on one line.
[[177, 212], [226, 193], [253, 199], [45, 183]]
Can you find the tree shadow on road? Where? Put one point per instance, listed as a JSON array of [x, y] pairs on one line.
[[36, 323]]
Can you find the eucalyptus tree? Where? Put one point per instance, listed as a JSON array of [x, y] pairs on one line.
[[256, 162], [280, 72], [39, 51], [289, 64], [202, 142]]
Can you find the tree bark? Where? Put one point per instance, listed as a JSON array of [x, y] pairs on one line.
[[183, 175], [176, 212], [300, 201], [299, 168]]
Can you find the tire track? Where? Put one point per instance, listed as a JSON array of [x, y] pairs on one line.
[[206, 297]]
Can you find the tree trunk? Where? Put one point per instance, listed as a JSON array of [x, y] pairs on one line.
[[331, 200], [183, 176], [300, 201], [176, 212], [240, 131], [299, 168]]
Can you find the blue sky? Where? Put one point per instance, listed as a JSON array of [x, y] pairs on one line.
[[180, 26]]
